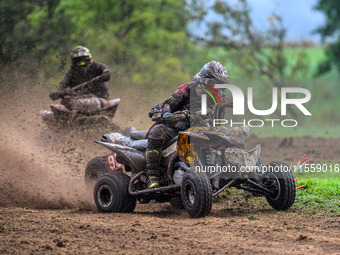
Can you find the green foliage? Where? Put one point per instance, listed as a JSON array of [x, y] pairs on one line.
[[331, 29], [145, 39], [141, 41], [32, 26], [12, 20]]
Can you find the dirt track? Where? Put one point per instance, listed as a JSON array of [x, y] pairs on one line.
[[45, 209], [158, 229]]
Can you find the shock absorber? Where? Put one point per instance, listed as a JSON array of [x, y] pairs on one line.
[[212, 156]]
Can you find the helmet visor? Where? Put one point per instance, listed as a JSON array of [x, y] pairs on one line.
[[82, 61]]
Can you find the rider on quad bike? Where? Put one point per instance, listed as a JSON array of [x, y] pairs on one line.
[[194, 166], [187, 94], [90, 74], [83, 88]]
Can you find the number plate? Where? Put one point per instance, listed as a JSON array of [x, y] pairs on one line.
[[112, 163]]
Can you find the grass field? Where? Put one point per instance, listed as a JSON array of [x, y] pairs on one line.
[[322, 191], [304, 129], [321, 195]]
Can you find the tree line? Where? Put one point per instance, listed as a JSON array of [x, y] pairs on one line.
[[150, 40]]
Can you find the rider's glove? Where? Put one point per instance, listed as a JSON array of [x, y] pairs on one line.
[[173, 119], [167, 115]]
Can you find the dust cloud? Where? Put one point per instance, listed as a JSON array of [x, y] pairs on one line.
[[41, 168]]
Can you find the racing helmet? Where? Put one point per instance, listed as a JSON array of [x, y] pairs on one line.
[[80, 56], [215, 71]]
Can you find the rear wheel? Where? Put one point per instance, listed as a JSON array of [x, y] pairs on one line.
[[107, 194], [129, 202], [280, 181], [196, 193], [111, 193], [94, 169]]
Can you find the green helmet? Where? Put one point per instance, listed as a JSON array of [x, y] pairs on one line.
[[80, 56]]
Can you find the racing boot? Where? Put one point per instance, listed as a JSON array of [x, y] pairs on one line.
[[153, 159], [153, 181]]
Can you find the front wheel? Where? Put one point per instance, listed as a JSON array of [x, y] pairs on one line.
[[280, 181], [196, 193]]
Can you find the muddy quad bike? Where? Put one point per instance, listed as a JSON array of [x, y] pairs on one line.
[[185, 180], [77, 109]]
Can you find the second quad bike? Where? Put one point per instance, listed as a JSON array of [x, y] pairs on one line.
[[196, 165], [78, 109]]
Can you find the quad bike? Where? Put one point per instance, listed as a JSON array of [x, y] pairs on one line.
[[120, 177], [78, 109]]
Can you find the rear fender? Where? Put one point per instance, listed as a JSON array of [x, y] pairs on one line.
[[128, 156], [113, 107], [114, 102], [59, 108]]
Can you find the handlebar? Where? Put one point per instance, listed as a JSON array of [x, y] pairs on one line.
[[68, 91]]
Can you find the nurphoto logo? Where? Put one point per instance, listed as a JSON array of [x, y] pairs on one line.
[[239, 105]]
